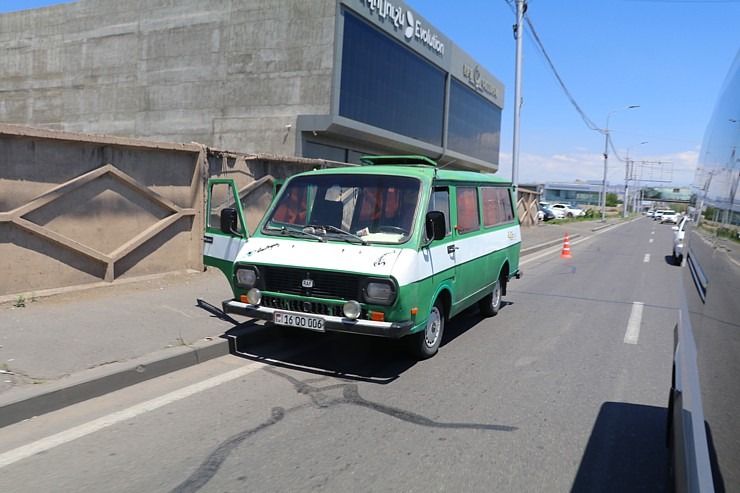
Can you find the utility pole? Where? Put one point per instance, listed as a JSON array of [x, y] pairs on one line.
[[606, 159], [628, 177], [521, 7], [625, 202]]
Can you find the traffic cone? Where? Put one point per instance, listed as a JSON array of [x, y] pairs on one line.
[[566, 248]]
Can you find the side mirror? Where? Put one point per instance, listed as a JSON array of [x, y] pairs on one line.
[[229, 221], [435, 226], [675, 228]]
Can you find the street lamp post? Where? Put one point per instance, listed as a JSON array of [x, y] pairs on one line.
[[626, 179], [606, 158]]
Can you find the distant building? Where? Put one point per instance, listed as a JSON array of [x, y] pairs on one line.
[[578, 193], [331, 79]]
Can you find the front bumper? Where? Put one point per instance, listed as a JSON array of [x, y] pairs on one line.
[[392, 330]]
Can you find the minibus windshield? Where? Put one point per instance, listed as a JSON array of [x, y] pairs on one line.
[[356, 208]]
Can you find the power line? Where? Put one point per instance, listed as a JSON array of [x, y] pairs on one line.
[[589, 123]]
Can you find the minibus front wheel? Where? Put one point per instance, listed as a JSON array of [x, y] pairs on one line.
[[425, 343]]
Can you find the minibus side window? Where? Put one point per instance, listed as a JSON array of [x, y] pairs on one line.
[[222, 196], [506, 206], [468, 215], [440, 201], [497, 208], [492, 213]]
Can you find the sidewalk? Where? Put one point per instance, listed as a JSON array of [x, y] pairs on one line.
[[67, 348]]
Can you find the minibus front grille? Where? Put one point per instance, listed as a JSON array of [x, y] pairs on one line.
[[330, 285], [312, 307]]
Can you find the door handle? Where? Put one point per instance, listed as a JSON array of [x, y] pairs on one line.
[[451, 248]]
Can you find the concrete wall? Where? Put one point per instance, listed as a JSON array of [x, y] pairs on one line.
[[80, 209], [230, 74]]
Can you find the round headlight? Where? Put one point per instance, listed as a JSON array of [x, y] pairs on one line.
[[254, 296], [352, 309], [246, 278]]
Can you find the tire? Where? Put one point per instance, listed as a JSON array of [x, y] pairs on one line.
[[425, 343], [491, 304], [677, 260]]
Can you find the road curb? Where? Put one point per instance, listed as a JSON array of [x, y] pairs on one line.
[[102, 380], [542, 246]]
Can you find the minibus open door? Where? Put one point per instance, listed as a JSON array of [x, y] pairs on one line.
[[226, 231]]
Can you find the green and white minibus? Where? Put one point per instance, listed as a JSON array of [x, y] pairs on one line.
[[392, 248]]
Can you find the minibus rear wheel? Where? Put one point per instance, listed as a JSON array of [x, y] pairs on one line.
[[490, 304], [425, 343]]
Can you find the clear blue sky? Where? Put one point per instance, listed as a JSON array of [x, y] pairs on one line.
[[669, 57]]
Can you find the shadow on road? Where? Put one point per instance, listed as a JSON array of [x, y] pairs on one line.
[[348, 356], [626, 451], [465, 321]]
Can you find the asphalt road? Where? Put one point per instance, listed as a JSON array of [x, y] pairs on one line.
[[564, 390]]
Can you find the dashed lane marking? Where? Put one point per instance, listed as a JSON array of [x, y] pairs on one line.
[[633, 326]]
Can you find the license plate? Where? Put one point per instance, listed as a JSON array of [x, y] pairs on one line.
[[298, 320]]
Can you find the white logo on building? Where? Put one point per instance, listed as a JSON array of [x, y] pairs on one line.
[[409, 31], [476, 79], [412, 28]]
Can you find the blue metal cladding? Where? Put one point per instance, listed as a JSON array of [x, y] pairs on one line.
[[474, 124], [387, 85]]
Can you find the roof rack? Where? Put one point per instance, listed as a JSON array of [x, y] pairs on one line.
[[399, 160]]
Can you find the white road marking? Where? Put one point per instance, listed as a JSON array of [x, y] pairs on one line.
[[646, 259], [651, 240], [50, 442], [633, 326]]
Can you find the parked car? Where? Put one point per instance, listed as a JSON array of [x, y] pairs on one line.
[[669, 216], [678, 234], [569, 210], [545, 214], [558, 213]]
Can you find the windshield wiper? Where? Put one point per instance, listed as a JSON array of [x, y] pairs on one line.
[[297, 233], [346, 234]]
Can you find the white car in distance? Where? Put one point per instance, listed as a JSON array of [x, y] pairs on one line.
[[568, 210], [669, 216], [559, 213]]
